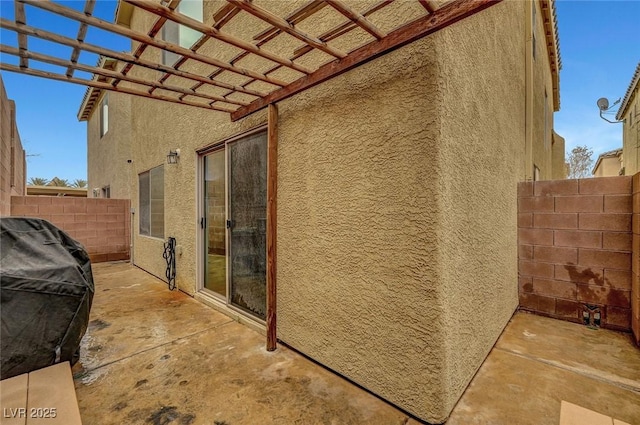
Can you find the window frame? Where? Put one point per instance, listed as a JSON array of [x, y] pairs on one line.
[[146, 210], [177, 34], [104, 115]]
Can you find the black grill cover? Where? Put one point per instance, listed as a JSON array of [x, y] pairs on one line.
[[46, 290]]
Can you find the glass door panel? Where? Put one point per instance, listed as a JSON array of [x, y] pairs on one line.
[[214, 223], [247, 223]]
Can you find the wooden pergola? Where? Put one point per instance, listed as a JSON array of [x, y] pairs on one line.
[[276, 61], [246, 96]]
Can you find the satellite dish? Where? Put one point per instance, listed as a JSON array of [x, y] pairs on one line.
[[603, 103]]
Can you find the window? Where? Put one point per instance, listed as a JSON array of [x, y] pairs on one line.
[[536, 173], [106, 192], [104, 115], [179, 34], [151, 202]]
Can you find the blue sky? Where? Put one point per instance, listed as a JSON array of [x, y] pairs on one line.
[[46, 110], [599, 45], [600, 49]]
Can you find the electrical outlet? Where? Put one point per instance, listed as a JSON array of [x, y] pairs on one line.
[[592, 315]]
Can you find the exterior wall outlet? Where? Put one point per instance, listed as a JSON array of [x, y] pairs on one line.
[[592, 315]]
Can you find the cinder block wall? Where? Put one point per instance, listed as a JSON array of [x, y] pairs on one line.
[[574, 248], [101, 225], [635, 263], [12, 155]]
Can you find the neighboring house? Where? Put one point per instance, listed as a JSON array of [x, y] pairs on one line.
[[13, 171], [609, 164], [396, 195], [109, 162], [629, 114], [559, 168], [77, 192]]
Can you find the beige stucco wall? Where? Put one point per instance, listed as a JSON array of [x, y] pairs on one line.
[[107, 156], [542, 81], [481, 139], [358, 268], [559, 165], [631, 135], [608, 167], [397, 262], [159, 127], [13, 171]]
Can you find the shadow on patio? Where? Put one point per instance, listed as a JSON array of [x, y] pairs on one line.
[[160, 357]]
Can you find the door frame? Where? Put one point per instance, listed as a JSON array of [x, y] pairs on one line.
[[218, 302]]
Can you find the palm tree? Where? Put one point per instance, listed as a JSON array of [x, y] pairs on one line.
[[56, 181], [79, 183], [38, 181]]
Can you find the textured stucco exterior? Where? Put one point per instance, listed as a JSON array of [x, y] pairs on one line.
[[13, 173], [559, 166], [631, 131], [358, 269], [107, 156], [542, 100], [481, 138], [397, 236], [609, 165]]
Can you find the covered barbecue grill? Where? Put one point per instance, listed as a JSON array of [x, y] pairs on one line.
[[46, 290]]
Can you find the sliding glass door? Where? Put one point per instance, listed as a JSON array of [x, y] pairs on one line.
[[234, 222]]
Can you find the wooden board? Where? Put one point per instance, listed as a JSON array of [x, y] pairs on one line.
[[52, 388], [13, 400]]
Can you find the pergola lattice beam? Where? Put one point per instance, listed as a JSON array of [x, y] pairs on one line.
[[270, 33], [48, 5], [429, 5], [21, 18], [357, 18], [82, 33], [436, 18], [155, 29], [111, 74], [105, 86], [165, 12], [285, 26], [125, 57], [441, 18]]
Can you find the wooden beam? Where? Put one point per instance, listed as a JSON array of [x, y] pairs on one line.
[[357, 18], [21, 18], [82, 33], [48, 5], [332, 34], [430, 5], [220, 18], [224, 15], [125, 57], [340, 29], [112, 74], [165, 12], [294, 18], [272, 225], [105, 86], [269, 34], [157, 26], [443, 17], [285, 26]]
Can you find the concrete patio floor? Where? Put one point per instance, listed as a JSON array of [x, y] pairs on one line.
[[151, 356]]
